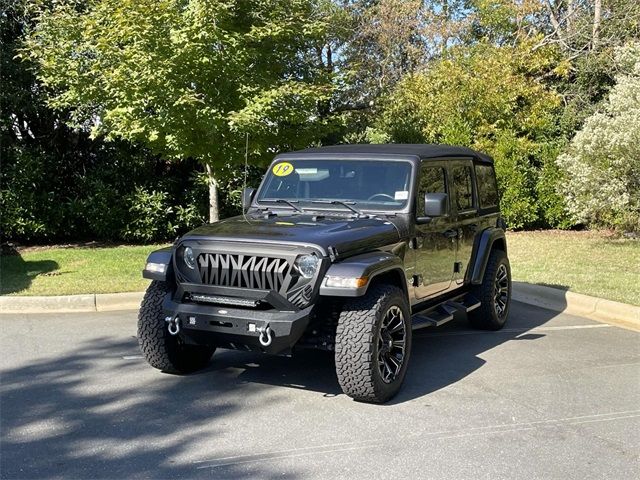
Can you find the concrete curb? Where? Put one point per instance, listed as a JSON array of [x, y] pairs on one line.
[[594, 308], [97, 302]]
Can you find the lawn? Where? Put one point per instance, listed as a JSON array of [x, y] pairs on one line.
[[592, 263], [74, 269]]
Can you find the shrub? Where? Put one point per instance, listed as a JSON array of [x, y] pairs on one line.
[[602, 164]]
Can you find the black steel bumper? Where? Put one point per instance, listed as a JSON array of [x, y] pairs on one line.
[[238, 328]]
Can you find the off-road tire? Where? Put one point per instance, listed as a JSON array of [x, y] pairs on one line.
[[356, 346], [486, 317], [161, 349]]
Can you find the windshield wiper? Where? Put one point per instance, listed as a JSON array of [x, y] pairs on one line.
[[344, 204], [287, 202]]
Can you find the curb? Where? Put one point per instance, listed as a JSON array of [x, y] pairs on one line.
[[593, 308], [95, 302]]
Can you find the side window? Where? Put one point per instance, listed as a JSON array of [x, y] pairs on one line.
[[432, 180], [463, 187], [487, 188]]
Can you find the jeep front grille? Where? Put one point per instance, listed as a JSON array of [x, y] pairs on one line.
[[243, 271]]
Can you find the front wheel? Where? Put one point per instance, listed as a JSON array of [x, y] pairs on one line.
[[494, 294], [373, 343], [162, 350]]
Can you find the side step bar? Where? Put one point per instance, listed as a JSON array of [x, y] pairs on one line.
[[443, 313]]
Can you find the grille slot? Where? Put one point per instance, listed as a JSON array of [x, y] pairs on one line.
[[243, 271], [302, 296]]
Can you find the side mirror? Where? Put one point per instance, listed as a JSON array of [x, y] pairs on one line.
[[435, 204], [247, 197]]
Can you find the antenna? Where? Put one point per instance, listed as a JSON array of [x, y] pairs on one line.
[[244, 187]]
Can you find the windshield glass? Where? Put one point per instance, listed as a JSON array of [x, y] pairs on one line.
[[369, 184]]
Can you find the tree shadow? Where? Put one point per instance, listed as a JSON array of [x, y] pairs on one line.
[[60, 421], [74, 416], [16, 274]]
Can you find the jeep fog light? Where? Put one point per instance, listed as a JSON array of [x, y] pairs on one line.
[[155, 267], [189, 259], [307, 265], [346, 282]]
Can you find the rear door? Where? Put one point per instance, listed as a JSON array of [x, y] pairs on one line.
[[435, 242], [465, 206]]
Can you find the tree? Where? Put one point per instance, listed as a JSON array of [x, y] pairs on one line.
[[187, 78], [484, 97], [602, 164]]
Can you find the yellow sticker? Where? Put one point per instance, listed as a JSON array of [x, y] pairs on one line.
[[282, 169]]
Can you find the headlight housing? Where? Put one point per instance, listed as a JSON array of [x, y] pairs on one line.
[[189, 258], [307, 265]]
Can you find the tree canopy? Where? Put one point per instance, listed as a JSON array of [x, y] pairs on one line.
[[186, 79], [123, 84]]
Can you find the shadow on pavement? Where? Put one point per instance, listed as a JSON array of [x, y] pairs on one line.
[[439, 357], [59, 421], [71, 415]]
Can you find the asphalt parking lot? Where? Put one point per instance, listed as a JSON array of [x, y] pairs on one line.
[[550, 396]]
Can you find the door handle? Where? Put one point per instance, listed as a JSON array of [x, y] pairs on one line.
[[452, 233]]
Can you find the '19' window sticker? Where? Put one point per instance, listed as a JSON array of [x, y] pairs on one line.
[[282, 169]]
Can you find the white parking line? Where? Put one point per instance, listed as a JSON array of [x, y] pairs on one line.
[[440, 435]]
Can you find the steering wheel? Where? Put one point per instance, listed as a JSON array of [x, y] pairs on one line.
[[380, 195]]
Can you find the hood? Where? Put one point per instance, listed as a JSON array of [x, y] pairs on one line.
[[346, 235]]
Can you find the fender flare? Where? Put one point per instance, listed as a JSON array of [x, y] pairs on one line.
[[368, 265], [159, 257], [482, 249]]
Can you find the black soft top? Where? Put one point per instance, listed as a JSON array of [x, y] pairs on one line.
[[422, 151]]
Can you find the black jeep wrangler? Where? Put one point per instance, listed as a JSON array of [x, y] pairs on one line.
[[346, 248]]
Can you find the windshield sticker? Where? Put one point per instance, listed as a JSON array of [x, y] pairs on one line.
[[282, 169], [307, 171], [401, 195]]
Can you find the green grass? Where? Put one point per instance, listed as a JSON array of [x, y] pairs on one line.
[[592, 263], [72, 270], [585, 262]]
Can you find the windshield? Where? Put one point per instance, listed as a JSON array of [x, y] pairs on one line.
[[369, 184]]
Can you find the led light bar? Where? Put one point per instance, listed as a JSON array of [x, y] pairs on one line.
[[239, 302]]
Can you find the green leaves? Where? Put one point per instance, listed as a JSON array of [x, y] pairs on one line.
[[483, 97], [185, 78], [602, 164]]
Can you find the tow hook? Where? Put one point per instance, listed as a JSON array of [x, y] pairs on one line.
[[173, 324], [265, 337]]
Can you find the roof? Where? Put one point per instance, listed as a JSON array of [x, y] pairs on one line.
[[421, 151]]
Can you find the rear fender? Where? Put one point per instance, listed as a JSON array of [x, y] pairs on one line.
[[485, 242]]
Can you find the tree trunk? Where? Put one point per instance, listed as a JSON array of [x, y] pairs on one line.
[[597, 13], [214, 215]]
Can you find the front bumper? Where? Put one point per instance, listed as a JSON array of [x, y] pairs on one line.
[[238, 328]]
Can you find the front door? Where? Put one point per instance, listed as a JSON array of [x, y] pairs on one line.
[[466, 214], [435, 242]]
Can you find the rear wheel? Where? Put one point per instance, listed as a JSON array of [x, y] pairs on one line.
[[162, 350], [494, 294], [373, 343]]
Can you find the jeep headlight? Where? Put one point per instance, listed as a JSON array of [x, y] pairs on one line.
[[307, 265], [189, 258]]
